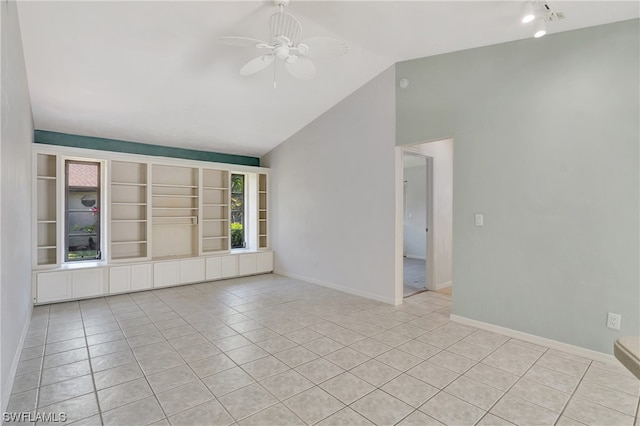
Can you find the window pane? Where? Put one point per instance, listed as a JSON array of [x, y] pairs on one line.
[[237, 211], [83, 211]]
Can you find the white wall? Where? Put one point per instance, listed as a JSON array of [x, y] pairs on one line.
[[415, 209], [442, 154], [546, 146], [16, 136], [333, 195]]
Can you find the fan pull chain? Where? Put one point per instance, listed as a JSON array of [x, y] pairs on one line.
[[275, 86]]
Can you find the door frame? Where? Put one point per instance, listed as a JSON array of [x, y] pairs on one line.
[[399, 215]]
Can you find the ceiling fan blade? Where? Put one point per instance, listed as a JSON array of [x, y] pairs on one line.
[[239, 41], [302, 68], [323, 47], [256, 64], [283, 24]]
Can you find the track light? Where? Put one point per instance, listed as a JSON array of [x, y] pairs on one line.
[[540, 28], [528, 14], [542, 12]]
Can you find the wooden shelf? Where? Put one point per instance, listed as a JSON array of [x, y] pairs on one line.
[[167, 185], [46, 221], [173, 196], [215, 238], [46, 247], [119, 243], [47, 177], [215, 188], [129, 210], [214, 205], [215, 220], [128, 184]]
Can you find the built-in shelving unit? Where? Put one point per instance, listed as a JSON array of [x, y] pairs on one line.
[[165, 222], [215, 211], [175, 210], [262, 211], [46, 210], [129, 219]]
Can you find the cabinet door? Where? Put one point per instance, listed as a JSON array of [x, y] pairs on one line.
[[53, 286], [87, 282], [166, 273], [229, 266], [247, 264], [141, 276], [192, 271], [213, 268], [119, 279], [264, 261]]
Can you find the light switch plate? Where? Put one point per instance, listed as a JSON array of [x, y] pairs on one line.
[[479, 220]]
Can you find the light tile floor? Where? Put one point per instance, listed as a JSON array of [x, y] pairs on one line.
[[269, 350]]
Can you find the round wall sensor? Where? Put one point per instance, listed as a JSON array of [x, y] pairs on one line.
[[404, 83]]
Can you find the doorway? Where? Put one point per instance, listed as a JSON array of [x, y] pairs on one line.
[[435, 233], [417, 205]]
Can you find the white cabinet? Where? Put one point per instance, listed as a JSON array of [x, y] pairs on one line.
[[247, 264], [229, 266], [130, 278], [87, 282], [119, 279], [192, 271], [75, 284], [166, 273], [213, 268], [264, 261], [53, 286], [141, 276]]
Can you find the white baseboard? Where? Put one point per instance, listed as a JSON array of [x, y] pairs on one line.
[[6, 392], [339, 287], [542, 341], [440, 286]]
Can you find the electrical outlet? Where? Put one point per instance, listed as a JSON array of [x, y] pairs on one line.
[[613, 321]]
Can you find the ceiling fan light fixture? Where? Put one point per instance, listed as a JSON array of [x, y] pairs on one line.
[[282, 51], [303, 49], [540, 29], [528, 14]]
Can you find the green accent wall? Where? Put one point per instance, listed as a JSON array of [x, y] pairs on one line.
[[89, 142]]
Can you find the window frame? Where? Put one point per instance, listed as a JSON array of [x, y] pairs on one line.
[[244, 211], [99, 198]]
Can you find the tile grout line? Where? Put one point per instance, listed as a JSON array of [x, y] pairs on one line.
[[44, 350], [573, 393], [90, 362]]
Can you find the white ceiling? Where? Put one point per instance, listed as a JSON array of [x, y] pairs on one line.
[[152, 72]]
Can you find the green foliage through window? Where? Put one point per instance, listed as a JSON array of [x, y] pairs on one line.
[[237, 211]]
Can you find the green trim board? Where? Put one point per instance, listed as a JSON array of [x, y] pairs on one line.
[[102, 144]]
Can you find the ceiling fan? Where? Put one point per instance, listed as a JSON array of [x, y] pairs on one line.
[[284, 45]]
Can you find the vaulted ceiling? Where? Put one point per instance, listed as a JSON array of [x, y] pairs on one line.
[[152, 71]]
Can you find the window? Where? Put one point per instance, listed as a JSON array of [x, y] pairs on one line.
[[237, 211], [82, 204]]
